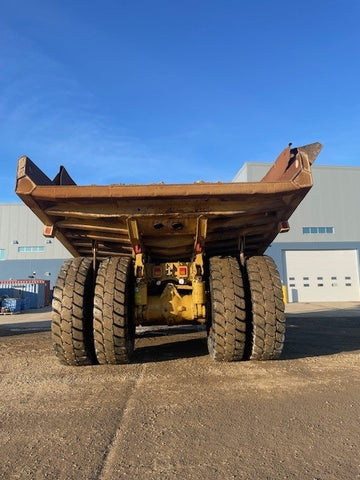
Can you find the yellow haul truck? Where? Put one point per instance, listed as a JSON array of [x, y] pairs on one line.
[[168, 255]]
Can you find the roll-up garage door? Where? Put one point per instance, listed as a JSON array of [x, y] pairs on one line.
[[322, 275]]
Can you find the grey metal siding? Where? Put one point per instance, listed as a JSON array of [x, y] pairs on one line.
[[19, 227], [252, 172], [333, 201]]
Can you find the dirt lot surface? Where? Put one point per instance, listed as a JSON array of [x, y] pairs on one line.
[[174, 413]]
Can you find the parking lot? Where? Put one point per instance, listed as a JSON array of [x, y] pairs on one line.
[[174, 413]]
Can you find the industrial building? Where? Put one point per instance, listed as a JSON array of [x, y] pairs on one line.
[[318, 258], [24, 252]]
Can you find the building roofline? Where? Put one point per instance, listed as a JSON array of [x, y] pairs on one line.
[[11, 204], [337, 167]]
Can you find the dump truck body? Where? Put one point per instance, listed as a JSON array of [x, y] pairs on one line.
[[168, 247]]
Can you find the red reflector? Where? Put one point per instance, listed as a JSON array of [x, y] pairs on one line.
[[157, 271], [183, 271], [284, 227], [48, 231]]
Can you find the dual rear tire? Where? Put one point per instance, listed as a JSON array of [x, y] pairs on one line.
[[247, 310], [92, 319]]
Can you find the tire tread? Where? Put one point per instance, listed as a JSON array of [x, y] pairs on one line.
[[267, 308], [226, 336], [71, 324]]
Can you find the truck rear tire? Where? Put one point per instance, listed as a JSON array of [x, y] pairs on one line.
[[114, 328], [72, 326], [226, 335], [267, 317]]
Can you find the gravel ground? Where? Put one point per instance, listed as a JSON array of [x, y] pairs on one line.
[[174, 413]]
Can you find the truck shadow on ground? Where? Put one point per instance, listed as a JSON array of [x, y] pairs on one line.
[[171, 351], [305, 337], [316, 336], [9, 330], [166, 344]]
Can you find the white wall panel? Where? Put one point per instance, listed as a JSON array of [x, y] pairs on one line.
[[322, 275]]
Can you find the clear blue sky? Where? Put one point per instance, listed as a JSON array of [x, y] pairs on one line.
[[134, 91]]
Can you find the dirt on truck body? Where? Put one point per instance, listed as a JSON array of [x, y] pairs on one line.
[[170, 255]]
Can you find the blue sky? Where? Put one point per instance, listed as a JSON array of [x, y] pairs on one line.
[[142, 91]]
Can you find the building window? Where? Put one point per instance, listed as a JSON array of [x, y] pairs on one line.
[[316, 230], [2, 253], [35, 249]]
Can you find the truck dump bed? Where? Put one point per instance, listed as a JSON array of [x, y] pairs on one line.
[[168, 217]]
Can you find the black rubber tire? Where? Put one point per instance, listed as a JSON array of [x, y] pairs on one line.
[[72, 325], [114, 328], [226, 332], [267, 318]]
